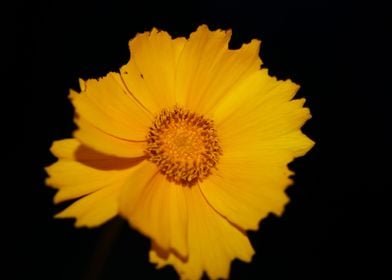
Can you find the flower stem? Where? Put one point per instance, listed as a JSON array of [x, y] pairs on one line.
[[102, 251]]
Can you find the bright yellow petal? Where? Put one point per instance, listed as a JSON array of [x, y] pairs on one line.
[[97, 139], [150, 75], [213, 242], [207, 69], [296, 143], [81, 171], [96, 208], [246, 188], [255, 90], [258, 114], [106, 104], [65, 148], [156, 208], [259, 131]]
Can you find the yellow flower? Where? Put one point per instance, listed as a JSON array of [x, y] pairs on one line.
[[189, 142]]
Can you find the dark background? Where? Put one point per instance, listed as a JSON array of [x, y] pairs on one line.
[[336, 223]]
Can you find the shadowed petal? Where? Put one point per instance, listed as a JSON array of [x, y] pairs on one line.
[[81, 171]]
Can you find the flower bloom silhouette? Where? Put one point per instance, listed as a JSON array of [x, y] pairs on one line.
[[189, 142]]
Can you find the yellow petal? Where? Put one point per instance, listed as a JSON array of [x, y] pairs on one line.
[[106, 104], [246, 188], [207, 69], [156, 208], [96, 208], [259, 131], [259, 114], [97, 139], [150, 75], [213, 242], [255, 90], [65, 148], [296, 143], [81, 171]]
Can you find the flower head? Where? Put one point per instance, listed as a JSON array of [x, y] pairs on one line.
[[189, 142]]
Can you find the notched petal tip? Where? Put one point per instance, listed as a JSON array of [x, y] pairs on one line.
[[206, 29], [255, 44], [48, 181], [72, 95], [304, 146], [146, 35], [82, 84], [202, 28], [294, 85]]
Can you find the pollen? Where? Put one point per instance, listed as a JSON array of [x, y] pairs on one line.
[[184, 145]]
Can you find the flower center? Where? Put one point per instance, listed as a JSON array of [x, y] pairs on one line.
[[184, 146]]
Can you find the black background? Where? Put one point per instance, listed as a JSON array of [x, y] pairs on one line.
[[336, 223]]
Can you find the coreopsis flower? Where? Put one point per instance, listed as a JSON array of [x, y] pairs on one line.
[[189, 142]]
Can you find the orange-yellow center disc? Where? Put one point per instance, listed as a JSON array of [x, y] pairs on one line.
[[184, 146]]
